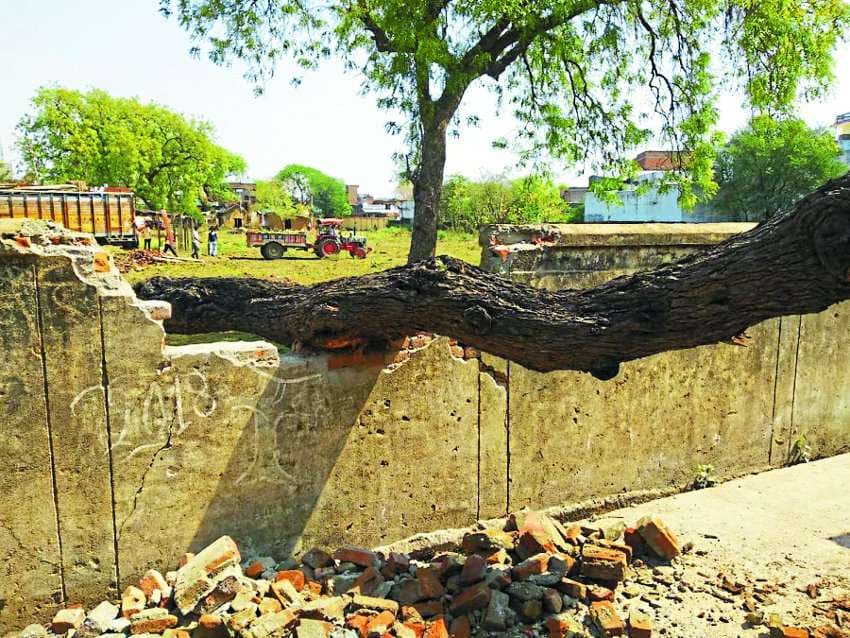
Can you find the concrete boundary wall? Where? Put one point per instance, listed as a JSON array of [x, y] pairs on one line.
[[121, 454]]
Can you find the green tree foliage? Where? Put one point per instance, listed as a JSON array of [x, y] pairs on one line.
[[273, 197], [169, 161], [314, 189], [465, 204], [5, 172], [589, 80], [769, 165]]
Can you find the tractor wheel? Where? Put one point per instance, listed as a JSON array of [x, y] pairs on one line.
[[272, 250], [359, 252], [327, 248]]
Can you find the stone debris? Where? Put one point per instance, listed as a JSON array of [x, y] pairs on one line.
[[532, 578]]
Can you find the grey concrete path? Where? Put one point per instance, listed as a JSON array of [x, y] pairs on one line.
[[787, 528]]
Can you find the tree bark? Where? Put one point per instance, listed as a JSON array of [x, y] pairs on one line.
[[427, 187], [793, 264]]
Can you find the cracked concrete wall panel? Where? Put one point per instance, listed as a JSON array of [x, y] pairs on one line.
[[30, 573], [77, 405]]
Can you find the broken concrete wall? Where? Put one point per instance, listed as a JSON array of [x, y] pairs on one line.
[[121, 454], [572, 437]]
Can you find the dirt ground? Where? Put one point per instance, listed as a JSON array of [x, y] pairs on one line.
[[778, 542]]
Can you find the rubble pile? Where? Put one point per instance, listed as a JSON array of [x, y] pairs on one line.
[[530, 577]]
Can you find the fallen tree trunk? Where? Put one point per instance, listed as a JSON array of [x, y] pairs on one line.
[[793, 264]]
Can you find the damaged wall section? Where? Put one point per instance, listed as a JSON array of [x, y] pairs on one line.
[[121, 454]]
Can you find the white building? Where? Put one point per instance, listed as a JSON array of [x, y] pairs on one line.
[[842, 130], [649, 206]]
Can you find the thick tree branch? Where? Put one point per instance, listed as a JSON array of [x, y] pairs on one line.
[[795, 263]]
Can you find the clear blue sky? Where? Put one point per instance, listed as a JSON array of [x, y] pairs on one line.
[[126, 48]]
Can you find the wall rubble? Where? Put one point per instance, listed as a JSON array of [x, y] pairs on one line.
[[121, 453]]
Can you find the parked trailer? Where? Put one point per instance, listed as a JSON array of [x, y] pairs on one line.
[[108, 216], [328, 242]]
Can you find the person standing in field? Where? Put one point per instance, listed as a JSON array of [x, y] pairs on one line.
[[196, 243], [212, 239], [169, 234], [145, 232]]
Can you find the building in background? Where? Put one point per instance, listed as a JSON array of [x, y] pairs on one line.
[[842, 131]]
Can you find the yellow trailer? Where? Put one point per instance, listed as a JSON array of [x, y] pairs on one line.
[[107, 215]]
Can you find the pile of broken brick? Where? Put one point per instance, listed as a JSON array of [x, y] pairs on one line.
[[534, 577]]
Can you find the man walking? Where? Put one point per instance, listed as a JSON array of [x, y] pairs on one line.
[[212, 239], [169, 234], [196, 243]]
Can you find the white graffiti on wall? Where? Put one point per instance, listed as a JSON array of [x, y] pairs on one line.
[[152, 411]]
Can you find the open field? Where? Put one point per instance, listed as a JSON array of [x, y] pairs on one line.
[[389, 249]]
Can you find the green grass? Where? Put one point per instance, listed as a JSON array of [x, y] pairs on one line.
[[389, 249]]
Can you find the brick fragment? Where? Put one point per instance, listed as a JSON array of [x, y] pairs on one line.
[[602, 563], [496, 616], [437, 629], [572, 588], [199, 576], [529, 610], [368, 582], [486, 542], [255, 569], [659, 539], [152, 621], [396, 563], [564, 626], [294, 576], [640, 625], [429, 608], [460, 628], [286, 593], [597, 593], [633, 539], [357, 555], [308, 628], [470, 599], [606, 619], [224, 591], [794, 632], [317, 558], [536, 564], [133, 600], [375, 604], [430, 582], [380, 623], [151, 581], [210, 621], [175, 633], [272, 625], [359, 623], [331, 609], [473, 570], [67, 619]]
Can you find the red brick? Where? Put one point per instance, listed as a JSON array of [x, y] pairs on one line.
[[381, 623], [153, 625], [633, 539], [460, 628], [416, 626], [473, 570], [552, 601], [470, 599], [294, 576], [598, 593], [606, 619], [255, 569], [67, 619], [429, 582], [210, 621], [133, 600], [356, 555], [659, 539], [601, 563], [315, 588], [536, 564], [437, 629], [794, 632], [409, 612], [185, 558], [640, 625], [368, 582], [535, 536], [563, 627], [151, 581], [359, 623], [316, 558], [572, 588], [396, 563], [618, 547], [429, 608]]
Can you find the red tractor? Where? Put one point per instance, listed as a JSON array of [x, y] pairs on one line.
[[329, 241]]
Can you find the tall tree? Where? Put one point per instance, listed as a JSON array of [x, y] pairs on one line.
[[312, 188], [768, 166], [572, 71], [169, 161], [273, 197]]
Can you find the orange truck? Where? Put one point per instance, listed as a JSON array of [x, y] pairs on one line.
[[109, 216]]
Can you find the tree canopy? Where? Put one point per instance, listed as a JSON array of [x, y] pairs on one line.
[[588, 80], [465, 204], [273, 197], [766, 167], [314, 189], [168, 160]]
